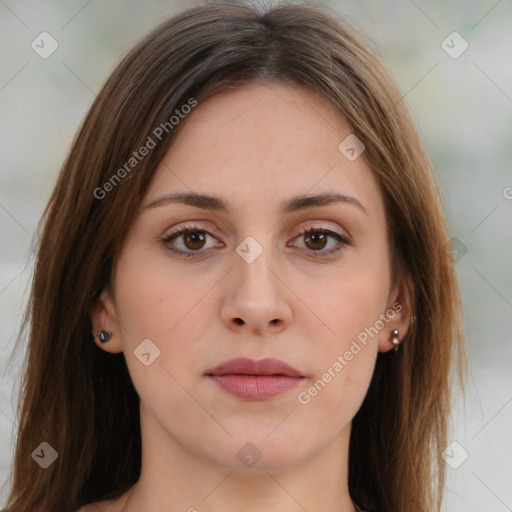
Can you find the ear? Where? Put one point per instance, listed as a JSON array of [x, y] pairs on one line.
[[103, 317], [399, 313]]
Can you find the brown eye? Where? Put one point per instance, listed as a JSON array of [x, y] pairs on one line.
[[194, 240], [316, 240]]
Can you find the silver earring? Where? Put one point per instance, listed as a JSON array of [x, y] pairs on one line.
[[104, 336], [395, 339]]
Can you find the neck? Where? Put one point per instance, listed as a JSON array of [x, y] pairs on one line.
[[174, 479]]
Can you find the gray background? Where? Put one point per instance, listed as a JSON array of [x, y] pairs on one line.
[[462, 107]]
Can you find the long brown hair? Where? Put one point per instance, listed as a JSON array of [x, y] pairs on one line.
[[80, 399]]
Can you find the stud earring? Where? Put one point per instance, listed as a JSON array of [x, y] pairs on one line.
[[395, 339], [104, 336]]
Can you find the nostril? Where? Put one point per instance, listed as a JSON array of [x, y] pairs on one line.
[[239, 321]]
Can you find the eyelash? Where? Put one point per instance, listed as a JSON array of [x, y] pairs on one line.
[[343, 241]]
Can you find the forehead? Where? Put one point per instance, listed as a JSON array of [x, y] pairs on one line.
[[261, 144]]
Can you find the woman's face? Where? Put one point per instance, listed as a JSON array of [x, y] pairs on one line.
[[251, 284]]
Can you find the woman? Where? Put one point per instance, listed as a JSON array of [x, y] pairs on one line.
[[246, 225]]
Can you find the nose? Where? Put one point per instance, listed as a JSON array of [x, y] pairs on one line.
[[257, 297]]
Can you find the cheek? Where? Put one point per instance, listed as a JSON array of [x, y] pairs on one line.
[[349, 302], [345, 358], [164, 307], [350, 310], [151, 299]]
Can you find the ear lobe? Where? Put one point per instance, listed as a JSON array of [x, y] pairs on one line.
[[400, 316], [103, 317]]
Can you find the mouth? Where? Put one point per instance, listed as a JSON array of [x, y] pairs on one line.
[[255, 380]]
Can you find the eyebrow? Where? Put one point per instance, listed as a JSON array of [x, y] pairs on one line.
[[208, 202]]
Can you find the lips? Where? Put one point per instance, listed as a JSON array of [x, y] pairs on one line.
[[255, 380], [246, 366]]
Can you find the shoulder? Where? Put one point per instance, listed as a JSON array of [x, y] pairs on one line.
[[97, 506], [87, 508], [104, 506]]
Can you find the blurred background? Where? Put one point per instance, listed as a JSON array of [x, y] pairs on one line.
[[452, 61]]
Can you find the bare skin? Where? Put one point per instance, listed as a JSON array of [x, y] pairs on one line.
[[255, 147]]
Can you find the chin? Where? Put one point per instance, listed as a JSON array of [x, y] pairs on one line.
[[255, 452]]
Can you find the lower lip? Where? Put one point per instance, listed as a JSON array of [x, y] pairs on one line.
[[253, 387]]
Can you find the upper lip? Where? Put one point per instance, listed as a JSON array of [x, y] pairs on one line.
[[246, 366]]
